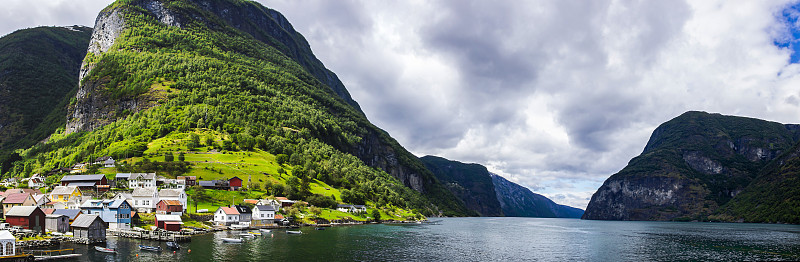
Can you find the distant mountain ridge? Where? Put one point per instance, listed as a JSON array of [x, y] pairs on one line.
[[691, 166], [492, 195]]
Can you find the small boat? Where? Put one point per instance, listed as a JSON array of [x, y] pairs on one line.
[[254, 233], [106, 250], [231, 240], [319, 228], [172, 245], [265, 230], [238, 227], [150, 248], [246, 235], [294, 232]]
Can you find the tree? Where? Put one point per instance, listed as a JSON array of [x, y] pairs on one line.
[[181, 157], [376, 215], [168, 157], [282, 159], [316, 211]]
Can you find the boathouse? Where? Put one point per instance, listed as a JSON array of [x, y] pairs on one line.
[[56, 223], [89, 227], [27, 217], [168, 222]]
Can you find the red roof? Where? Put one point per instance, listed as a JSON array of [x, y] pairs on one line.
[[171, 202], [251, 201], [21, 190], [281, 198], [16, 198], [278, 216], [48, 211], [230, 210]]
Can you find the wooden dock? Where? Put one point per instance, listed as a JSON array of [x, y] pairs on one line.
[[152, 235]]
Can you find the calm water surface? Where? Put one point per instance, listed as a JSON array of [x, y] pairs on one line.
[[488, 239]]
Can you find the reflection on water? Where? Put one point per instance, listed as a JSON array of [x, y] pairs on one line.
[[491, 239]]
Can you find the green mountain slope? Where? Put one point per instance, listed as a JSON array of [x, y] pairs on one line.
[[773, 197], [176, 68], [519, 201], [38, 75], [692, 165]]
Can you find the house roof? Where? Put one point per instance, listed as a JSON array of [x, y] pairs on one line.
[[251, 201], [82, 184], [278, 216], [64, 190], [21, 211], [243, 209], [207, 183], [77, 178], [123, 175], [358, 206], [281, 198], [48, 211], [53, 216], [71, 213], [18, 198], [102, 158], [344, 205], [229, 210], [21, 190], [124, 195], [168, 218], [6, 235], [84, 221], [112, 204], [170, 192], [265, 208], [171, 202], [38, 198], [144, 192], [148, 176]]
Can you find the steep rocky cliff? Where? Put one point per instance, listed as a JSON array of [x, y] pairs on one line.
[[518, 201], [471, 183], [38, 69], [692, 165]]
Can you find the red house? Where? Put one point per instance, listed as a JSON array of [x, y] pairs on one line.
[[170, 207], [27, 217], [169, 222], [235, 183]]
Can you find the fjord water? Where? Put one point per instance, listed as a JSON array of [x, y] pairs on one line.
[[489, 239]]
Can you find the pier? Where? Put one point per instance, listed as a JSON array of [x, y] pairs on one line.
[[152, 235]]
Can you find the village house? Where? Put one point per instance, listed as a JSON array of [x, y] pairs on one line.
[[56, 223], [351, 208], [89, 227], [169, 207], [226, 216], [40, 200], [245, 214], [344, 207], [235, 183], [168, 222], [263, 215], [36, 181], [88, 183], [121, 179], [21, 190], [140, 180], [106, 161], [8, 244], [73, 203], [144, 199], [65, 193], [27, 217], [188, 180], [14, 200], [71, 214], [116, 213], [174, 194]]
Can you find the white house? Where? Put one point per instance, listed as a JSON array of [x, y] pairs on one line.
[[226, 216], [344, 208], [263, 215], [36, 181], [145, 199], [40, 199], [173, 194], [7, 243], [106, 161], [140, 180]]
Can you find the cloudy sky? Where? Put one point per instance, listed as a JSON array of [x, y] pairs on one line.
[[554, 95]]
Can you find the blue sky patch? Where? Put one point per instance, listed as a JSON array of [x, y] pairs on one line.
[[789, 36]]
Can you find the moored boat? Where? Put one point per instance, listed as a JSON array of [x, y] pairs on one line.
[[105, 250], [150, 248], [231, 240], [265, 230], [173, 245], [294, 232], [319, 228]]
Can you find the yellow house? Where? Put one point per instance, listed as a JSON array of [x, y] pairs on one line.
[[65, 193], [19, 199]]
